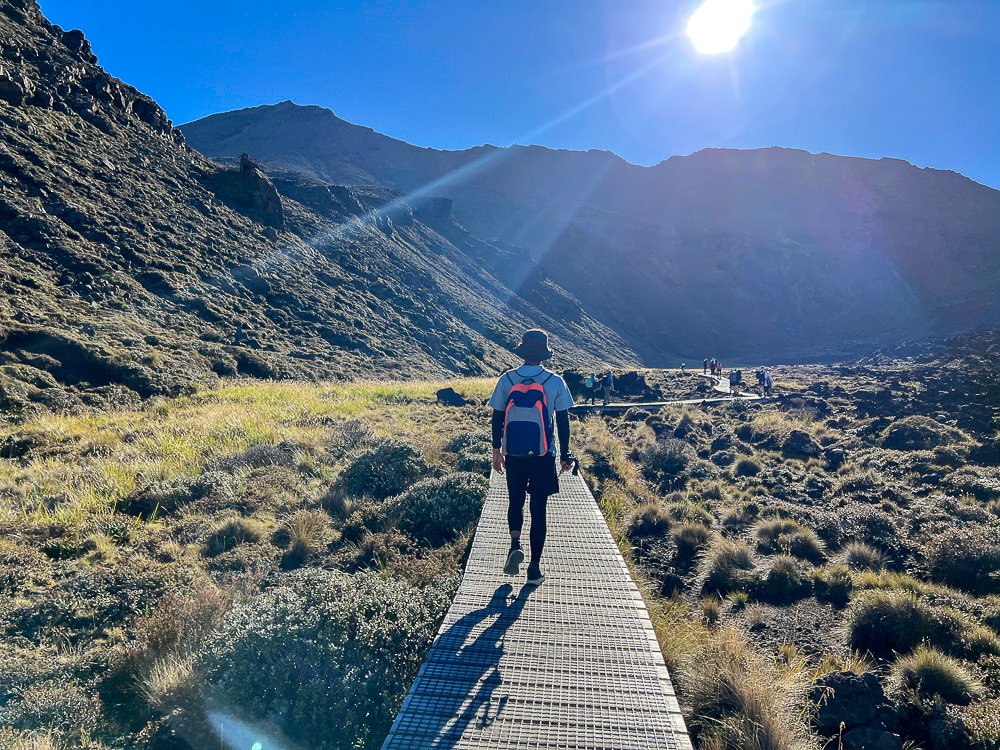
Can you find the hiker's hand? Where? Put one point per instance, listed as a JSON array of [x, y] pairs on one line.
[[497, 461], [566, 465]]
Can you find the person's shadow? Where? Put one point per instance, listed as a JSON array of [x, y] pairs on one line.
[[473, 667]]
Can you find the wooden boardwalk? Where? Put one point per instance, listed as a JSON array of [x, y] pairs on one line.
[[572, 664]]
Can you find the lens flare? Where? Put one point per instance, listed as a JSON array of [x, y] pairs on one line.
[[718, 25]]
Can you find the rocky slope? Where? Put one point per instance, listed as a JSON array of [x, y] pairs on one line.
[[131, 264], [773, 252]]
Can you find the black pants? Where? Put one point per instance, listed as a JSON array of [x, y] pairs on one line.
[[533, 476]]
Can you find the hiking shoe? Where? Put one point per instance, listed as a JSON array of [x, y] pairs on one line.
[[514, 559], [535, 574]]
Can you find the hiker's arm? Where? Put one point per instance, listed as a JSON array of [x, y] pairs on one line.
[[496, 435], [562, 427]]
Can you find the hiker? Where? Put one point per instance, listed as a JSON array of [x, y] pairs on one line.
[[718, 369], [524, 402], [591, 385], [760, 381], [683, 368], [735, 379], [607, 383], [768, 384], [704, 366], [712, 365]]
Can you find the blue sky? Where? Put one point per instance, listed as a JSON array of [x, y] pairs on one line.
[[914, 79]]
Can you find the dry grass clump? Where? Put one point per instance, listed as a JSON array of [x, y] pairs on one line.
[[727, 565], [230, 534], [790, 537], [785, 580], [747, 467], [650, 519], [172, 681], [929, 673], [740, 700], [861, 556], [302, 535], [690, 538], [897, 622], [834, 584]]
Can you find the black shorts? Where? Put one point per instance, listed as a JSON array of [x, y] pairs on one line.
[[534, 474]]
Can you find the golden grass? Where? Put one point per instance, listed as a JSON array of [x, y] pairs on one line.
[[93, 461]]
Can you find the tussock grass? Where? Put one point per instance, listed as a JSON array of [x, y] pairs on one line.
[[739, 700], [727, 565], [931, 674], [861, 556], [784, 535]]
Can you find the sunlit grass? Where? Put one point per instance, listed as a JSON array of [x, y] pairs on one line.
[[91, 462]]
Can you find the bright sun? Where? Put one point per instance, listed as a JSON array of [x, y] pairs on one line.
[[717, 25]]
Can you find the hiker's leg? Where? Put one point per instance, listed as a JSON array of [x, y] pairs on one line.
[[517, 485], [539, 501]]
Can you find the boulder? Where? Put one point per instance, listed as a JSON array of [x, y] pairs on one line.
[[800, 444], [846, 698], [450, 397], [871, 738], [263, 195]]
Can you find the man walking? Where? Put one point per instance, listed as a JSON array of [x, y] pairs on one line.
[[524, 403], [607, 382]]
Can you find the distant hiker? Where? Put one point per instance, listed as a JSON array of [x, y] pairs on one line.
[[683, 368], [524, 402], [712, 365], [760, 381], [735, 379], [718, 369], [591, 385], [607, 383], [704, 367], [768, 384]]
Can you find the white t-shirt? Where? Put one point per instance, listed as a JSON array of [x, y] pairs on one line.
[[557, 395]]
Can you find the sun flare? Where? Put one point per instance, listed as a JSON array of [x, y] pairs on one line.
[[718, 25]]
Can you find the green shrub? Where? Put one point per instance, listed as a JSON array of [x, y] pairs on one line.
[[166, 498], [464, 440], [368, 517], [438, 510], [384, 470], [896, 622], [982, 722], [727, 565], [747, 467], [861, 556], [967, 558], [787, 536], [475, 458], [684, 510], [650, 519], [348, 435], [327, 655], [785, 580], [931, 674]]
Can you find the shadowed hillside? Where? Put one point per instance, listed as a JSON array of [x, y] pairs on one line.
[[798, 255], [128, 259]]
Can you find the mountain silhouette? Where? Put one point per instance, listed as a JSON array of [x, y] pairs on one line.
[[769, 252]]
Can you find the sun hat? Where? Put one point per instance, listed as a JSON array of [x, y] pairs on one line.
[[534, 346]]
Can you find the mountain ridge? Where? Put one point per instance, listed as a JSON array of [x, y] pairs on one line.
[[818, 255]]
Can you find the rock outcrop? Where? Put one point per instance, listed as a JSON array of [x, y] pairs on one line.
[[263, 196]]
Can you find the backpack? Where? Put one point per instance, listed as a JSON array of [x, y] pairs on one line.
[[527, 429]]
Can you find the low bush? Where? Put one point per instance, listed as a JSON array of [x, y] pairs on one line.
[[967, 558], [384, 470], [230, 534], [475, 458], [785, 580], [301, 536], [349, 435], [340, 652], [436, 511], [747, 467], [919, 433], [464, 440], [166, 498], [861, 556], [897, 622], [784, 535], [257, 457], [727, 565], [665, 460], [931, 674]]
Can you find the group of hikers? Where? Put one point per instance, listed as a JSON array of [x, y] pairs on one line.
[[530, 409], [765, 380], [605, 382]]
